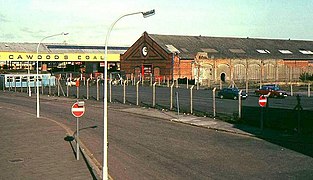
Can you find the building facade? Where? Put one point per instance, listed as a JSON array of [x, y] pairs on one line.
[[22, 56], [214, 59]]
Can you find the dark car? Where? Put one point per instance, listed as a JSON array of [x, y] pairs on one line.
[[231, 93], [273, 89]]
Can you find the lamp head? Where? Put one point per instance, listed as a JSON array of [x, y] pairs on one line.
[[148, 13], [63, 33]]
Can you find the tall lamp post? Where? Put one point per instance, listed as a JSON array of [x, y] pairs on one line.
[[105, 105], [37, 75]]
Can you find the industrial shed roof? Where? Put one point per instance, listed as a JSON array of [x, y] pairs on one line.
[[58, 48], [228, 47]]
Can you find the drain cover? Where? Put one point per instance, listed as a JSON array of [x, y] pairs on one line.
[[17, 160]]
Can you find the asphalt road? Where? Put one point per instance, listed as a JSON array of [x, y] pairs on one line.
[[202, 99], [141, 147]]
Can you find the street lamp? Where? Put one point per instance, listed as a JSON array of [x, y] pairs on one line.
[[37, 75], [105, 104]]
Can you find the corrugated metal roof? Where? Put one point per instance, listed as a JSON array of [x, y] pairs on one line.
[[58, 48], [189, 46]]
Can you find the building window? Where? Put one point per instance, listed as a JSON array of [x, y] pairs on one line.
[[237, 51], [285, 51], [209, 50], [263, 51], [306, 52]]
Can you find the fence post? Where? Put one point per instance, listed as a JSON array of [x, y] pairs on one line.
[[153, 95], [110, 89], [239, 103], [98, 89], [87, 88], [291, 90], [58, 87], [21, 85], [49, 90], [67, 87], [42, 85], [124, 90], [187, 84], [214, 103], [137, 93], [14, 79], [191, 88], [177, 103], [171, 105]]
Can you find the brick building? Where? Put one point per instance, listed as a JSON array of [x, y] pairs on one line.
[[218, 58]]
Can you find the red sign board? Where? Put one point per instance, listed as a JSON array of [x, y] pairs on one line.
[[78, 109], [262, 101]]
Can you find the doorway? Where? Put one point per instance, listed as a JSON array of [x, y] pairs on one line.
[[223, 77]]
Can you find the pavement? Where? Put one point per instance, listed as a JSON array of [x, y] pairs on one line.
[[219, 125], [34, 148]]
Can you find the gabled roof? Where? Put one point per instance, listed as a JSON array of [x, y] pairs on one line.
[[227, 47]]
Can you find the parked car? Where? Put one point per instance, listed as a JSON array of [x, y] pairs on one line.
[[231, 93], [273, 89]]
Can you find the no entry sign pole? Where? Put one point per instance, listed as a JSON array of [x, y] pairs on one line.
[[78, 110], [77, 137], [262, 103]]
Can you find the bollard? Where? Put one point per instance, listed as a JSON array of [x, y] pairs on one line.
[[214, 103], [247, 86], [87, 88], [77, 88], [309, 90], [191, 88], [168, 82], [137, 93], [171, 105], [239, 103], [153, 95], [124, 90]]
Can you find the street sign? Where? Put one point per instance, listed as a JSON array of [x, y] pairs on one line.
[[262, 101], [78, 109]]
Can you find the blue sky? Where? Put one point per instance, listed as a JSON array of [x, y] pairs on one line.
[[87, 21]]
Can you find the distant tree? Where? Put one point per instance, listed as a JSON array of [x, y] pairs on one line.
[[306, 77]]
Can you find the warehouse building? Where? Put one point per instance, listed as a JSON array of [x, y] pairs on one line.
[[215, 59]]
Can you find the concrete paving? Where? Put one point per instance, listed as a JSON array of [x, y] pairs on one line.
[[34, 148]]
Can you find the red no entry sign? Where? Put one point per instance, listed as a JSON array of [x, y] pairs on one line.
[[78, 109], [262, 101]]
